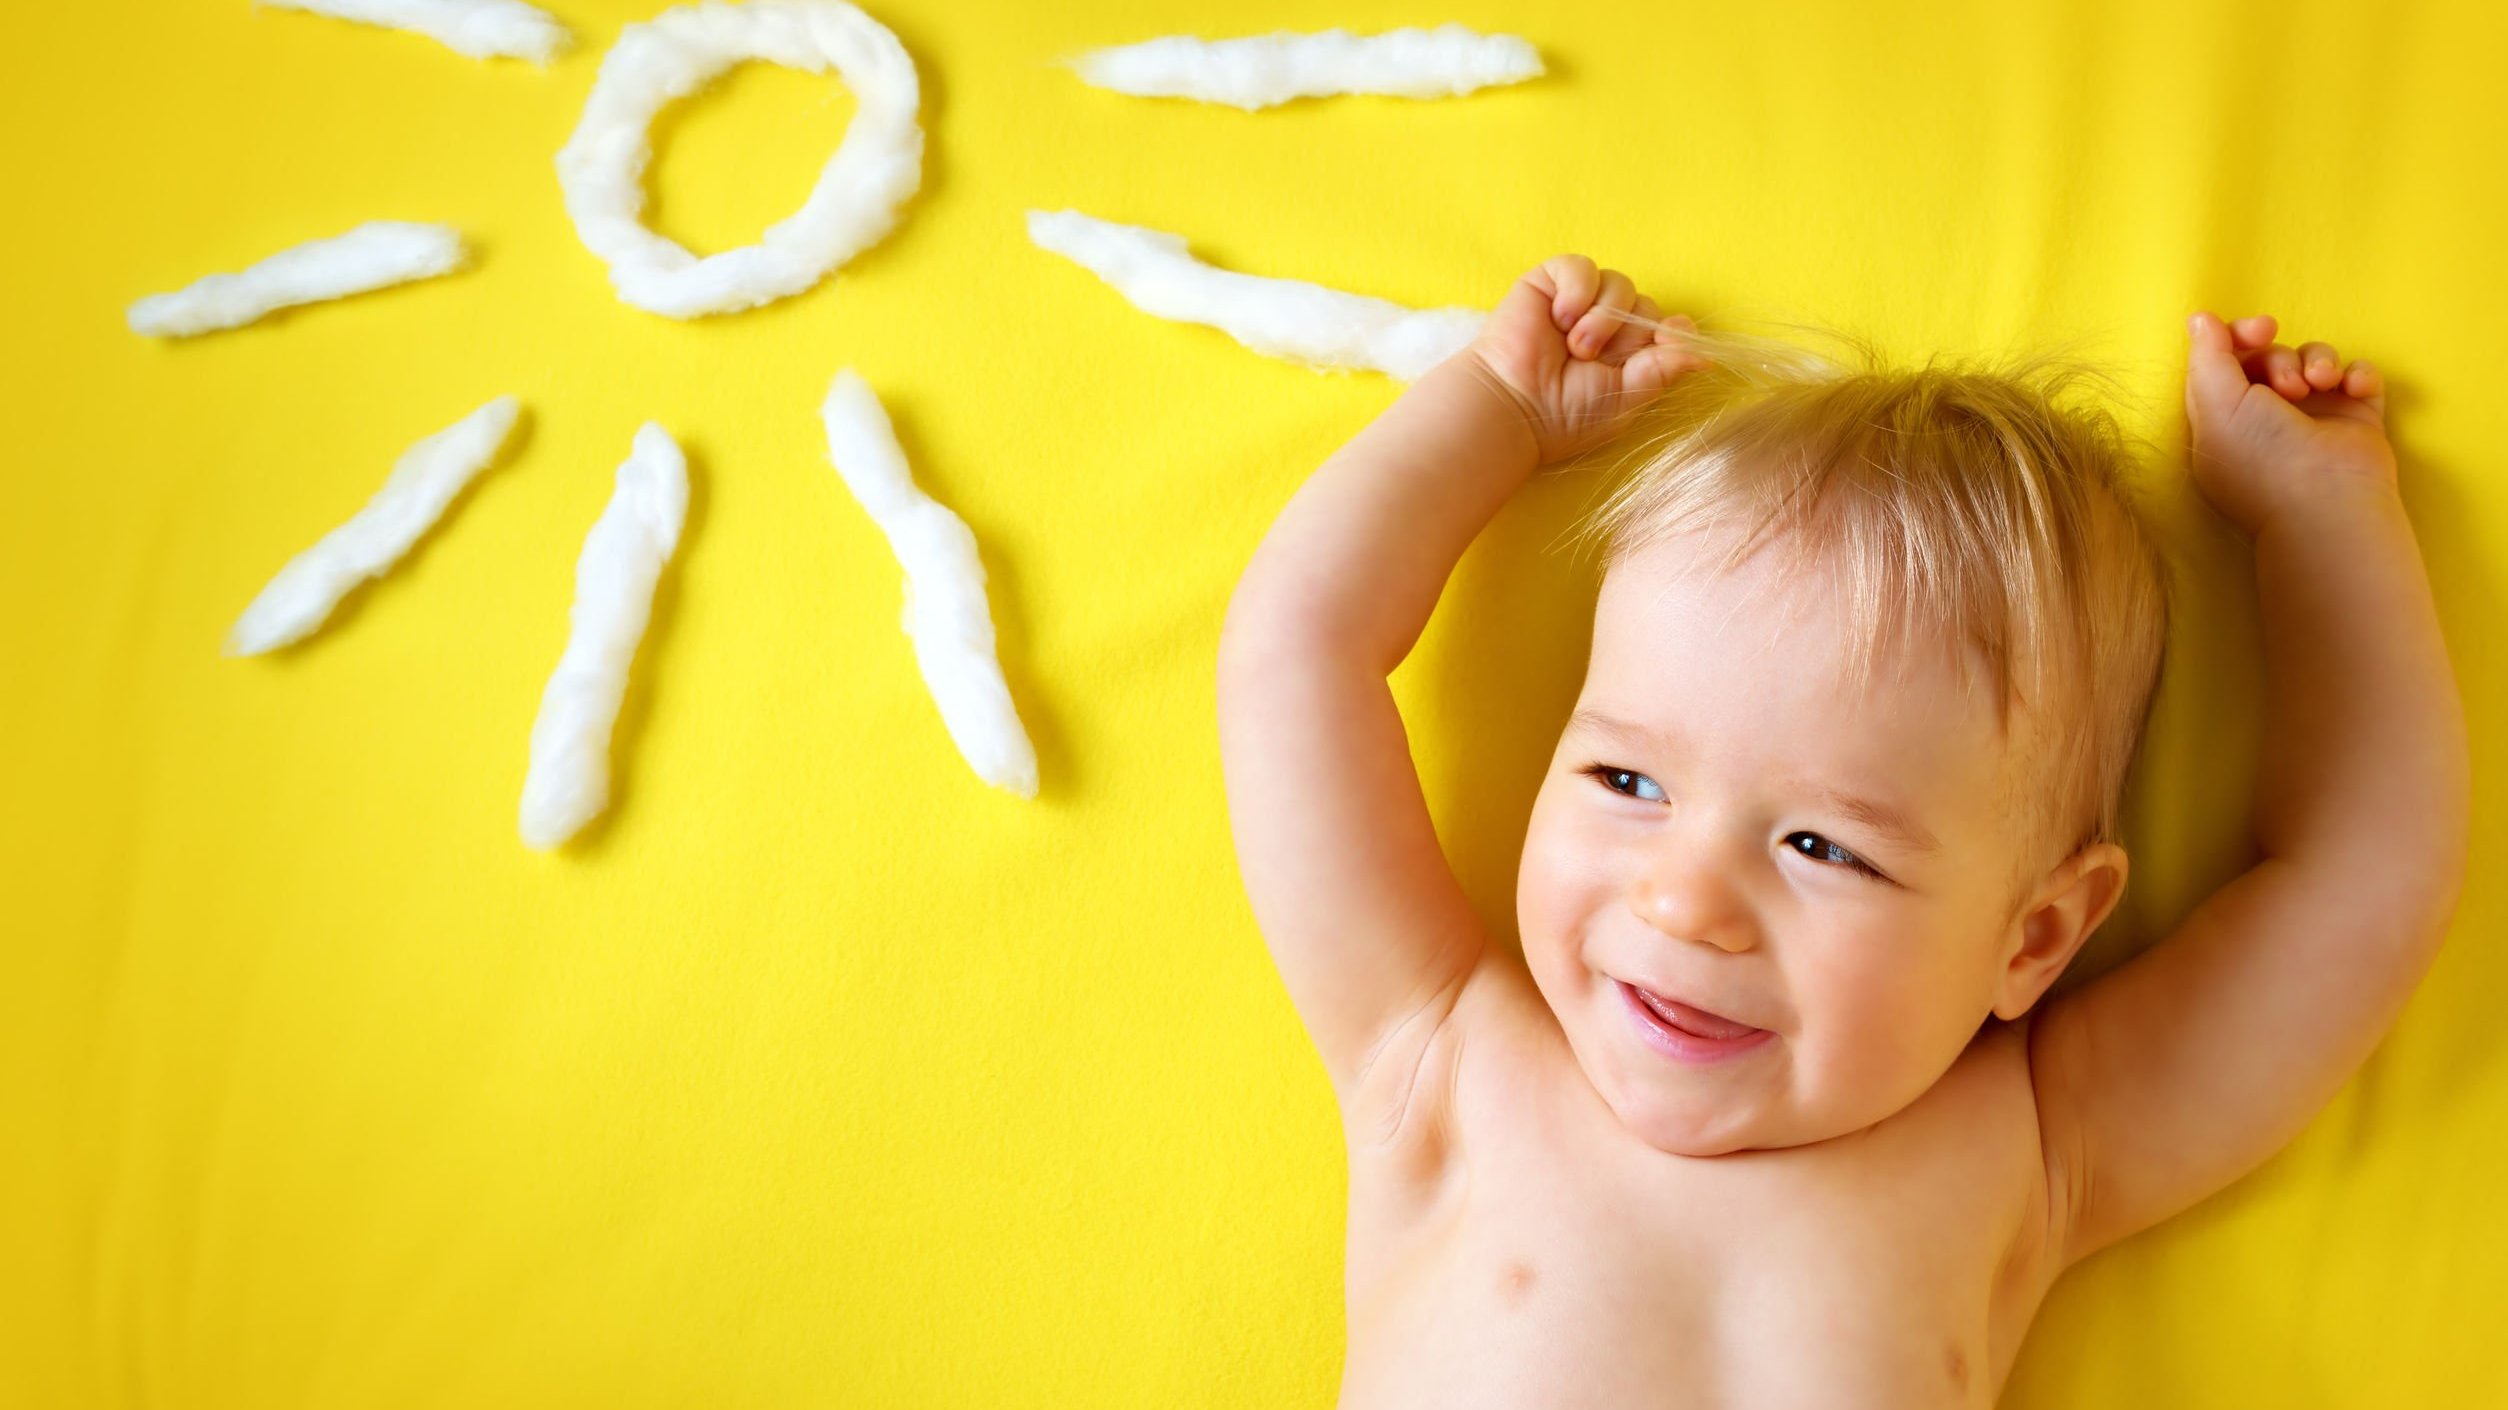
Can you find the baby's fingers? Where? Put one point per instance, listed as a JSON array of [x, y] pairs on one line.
[[2363, 382], [2277, 367], [1594, 328], [1573, 281], [2215, 380], [1651, 369], [1633, 332], [2319, 364]]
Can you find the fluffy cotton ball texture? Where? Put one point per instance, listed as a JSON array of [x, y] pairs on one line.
[[946, 615], [372, 256], [1283, 318], [423, 482], [482, 29], [855, 202], [1262, 70], [568, 783]]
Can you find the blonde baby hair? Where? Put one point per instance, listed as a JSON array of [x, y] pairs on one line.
[[1974, 497]]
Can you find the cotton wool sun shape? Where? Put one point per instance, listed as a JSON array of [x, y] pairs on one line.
[[854, 204]]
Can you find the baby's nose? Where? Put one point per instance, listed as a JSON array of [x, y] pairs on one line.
[[1693, 897]]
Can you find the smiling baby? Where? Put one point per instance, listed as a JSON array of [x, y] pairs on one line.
[[1775, 1108]]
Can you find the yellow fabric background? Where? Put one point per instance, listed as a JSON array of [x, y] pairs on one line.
[[824, 1075]]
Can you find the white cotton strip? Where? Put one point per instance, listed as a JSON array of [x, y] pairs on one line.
[[1281, 318], [569, 779], [855, 203], [482, 29], [423, 481], [1262, 70], [372, 256], [946, 615]]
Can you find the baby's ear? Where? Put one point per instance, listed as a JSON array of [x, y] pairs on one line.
[[2060, 915]]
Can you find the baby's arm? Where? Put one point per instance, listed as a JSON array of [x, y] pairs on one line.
[[1366, 923], [2166, 1080]]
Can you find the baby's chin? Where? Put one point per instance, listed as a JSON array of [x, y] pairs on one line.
[[1700, 1127], [1702, 1111], [1713, 1117], [1691, 1144], [1686, 1128]]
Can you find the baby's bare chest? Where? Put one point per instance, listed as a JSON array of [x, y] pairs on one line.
[[1895, 1269]]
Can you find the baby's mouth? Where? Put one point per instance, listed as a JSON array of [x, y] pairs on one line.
[[1689, 1018]]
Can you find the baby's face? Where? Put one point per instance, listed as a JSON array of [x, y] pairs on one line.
[[1685, 843]]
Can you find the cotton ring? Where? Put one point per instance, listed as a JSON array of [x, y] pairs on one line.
[[878, 165]]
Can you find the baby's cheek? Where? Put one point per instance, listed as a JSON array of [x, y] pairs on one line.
[[1558, 879], [1891, 1019], [1539, 874], [1554, 896]]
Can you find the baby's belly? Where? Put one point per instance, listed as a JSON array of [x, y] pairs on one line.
[[1806, 1338]]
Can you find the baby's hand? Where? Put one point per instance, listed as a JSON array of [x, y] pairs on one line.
[[2272, 425], [1575, 372]]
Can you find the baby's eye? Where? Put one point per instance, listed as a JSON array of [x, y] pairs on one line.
[[1819, 848], [1628, 781]]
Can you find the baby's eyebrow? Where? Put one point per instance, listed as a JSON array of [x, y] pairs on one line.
[[1621, 730], [1891, 822], [1882, 818]]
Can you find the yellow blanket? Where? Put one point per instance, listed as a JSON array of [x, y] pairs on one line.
[[821, 1074]]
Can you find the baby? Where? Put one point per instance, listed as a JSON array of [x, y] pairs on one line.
[[1775, 1109]]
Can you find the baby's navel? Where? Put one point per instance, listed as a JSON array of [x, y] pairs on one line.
[[1959, 1367]]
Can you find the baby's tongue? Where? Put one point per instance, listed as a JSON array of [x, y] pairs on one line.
[[1705, 1025]]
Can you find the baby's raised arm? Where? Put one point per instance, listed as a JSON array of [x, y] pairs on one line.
[[2166, 1080], [1364, 919]]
